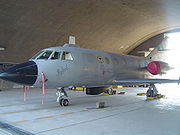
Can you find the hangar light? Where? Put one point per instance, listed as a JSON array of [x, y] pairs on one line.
[[2, 48]]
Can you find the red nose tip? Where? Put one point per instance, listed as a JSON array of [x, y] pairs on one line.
[[154, 67]]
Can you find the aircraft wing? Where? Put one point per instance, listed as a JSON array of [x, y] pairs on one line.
[[144, 81]]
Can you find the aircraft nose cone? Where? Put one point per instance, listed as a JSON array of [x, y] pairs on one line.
[[24, 73]]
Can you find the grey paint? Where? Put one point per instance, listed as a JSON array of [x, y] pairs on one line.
[[86, 70]]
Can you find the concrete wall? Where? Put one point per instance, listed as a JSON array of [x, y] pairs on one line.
[[109, 25]]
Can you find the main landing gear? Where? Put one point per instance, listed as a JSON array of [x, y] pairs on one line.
[[62, 97]]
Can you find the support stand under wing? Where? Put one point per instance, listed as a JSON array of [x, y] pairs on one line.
[[152, 91]]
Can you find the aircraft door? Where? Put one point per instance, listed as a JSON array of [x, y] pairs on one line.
[[66, 69], [53, 68]]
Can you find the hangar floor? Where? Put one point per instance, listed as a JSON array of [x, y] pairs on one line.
[[124, 114]]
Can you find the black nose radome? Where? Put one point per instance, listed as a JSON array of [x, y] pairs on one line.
[[24, 73]]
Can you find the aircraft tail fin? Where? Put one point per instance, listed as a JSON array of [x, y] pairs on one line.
[[160, 52]]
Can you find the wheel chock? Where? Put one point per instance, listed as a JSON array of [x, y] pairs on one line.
[[141, 94], [160, 96], [78, 88], [121, 93], [156, 97], [150, 98], [104, 93], [117, 86], [114, 92]]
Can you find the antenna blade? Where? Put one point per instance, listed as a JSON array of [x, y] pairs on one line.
[[72, 40]]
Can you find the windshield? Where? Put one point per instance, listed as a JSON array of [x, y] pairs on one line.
[[36, 55], [45, 55]]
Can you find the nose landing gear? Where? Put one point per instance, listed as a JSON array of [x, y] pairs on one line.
[[62, 97]]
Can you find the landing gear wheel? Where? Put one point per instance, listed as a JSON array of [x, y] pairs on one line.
[[60, 101], [110, 91], [64, 102]]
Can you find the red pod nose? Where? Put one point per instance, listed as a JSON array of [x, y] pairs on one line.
[[154, 67]]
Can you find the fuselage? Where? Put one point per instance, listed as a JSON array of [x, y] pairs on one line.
[[70, 66]]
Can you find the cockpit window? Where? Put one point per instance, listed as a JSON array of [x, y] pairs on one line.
[[45, 55], [67, 56], [36, 55], [55, 55]]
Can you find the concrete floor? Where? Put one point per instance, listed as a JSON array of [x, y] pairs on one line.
[[127, 114]]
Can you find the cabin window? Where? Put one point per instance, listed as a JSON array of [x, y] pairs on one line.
[[100, 59], [45, 55], [55, 55], [67, 56]]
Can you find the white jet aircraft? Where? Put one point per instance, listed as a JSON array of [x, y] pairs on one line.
[[71, 66]]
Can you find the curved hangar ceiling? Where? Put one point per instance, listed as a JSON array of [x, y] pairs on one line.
[[109, 25]]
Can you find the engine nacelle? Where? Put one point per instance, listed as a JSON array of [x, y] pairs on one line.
[[96, 90]]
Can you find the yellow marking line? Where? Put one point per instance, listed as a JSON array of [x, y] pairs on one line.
[[28, 110], [13, 105], [141, 94], [44, 117], [67, 113], [19, 104], [18, 122], [84, 111]]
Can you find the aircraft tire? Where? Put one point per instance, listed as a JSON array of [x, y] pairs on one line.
[[110, 91], [65, 102], [60, 101]]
